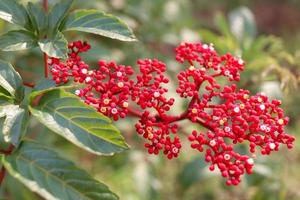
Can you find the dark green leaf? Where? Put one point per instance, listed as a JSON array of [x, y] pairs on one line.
[[58, 14], [96, 22], [10, 80], [38, 18], [17, 40], [46, 173], [56, 47], [65, 114], [13, 12], [15, 123]]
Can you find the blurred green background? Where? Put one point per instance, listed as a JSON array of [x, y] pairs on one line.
[[265, 33]]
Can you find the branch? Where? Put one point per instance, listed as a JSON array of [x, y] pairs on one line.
[[46, 67]]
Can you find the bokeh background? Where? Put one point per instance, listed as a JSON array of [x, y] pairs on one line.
[[265, 33]]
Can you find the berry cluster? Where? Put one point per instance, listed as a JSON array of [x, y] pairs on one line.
[[230, 115], [107, 88]]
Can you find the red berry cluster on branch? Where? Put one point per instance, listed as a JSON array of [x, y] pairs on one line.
[[230, 115]]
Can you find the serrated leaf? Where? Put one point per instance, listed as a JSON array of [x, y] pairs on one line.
[[65, 114], [56, 47], [17, 40], [10, 80], [97, 22], [46, 173], [13, 12], [58, 13], [15, 123], [38, 18]]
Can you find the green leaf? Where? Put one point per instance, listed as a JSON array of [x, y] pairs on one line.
[[46, 173], [10, 80], [96, 22], [13, 12], [38, 18], [58, 14], [15, 124], [65, 114], [56, 47], [17, 40]]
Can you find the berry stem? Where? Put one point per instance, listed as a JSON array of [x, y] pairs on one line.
[[134, 112], [204, 124]]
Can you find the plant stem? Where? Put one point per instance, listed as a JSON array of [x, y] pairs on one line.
[[2, 174], [31, 85], [8, 150], [45, 5], [46, 67]]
